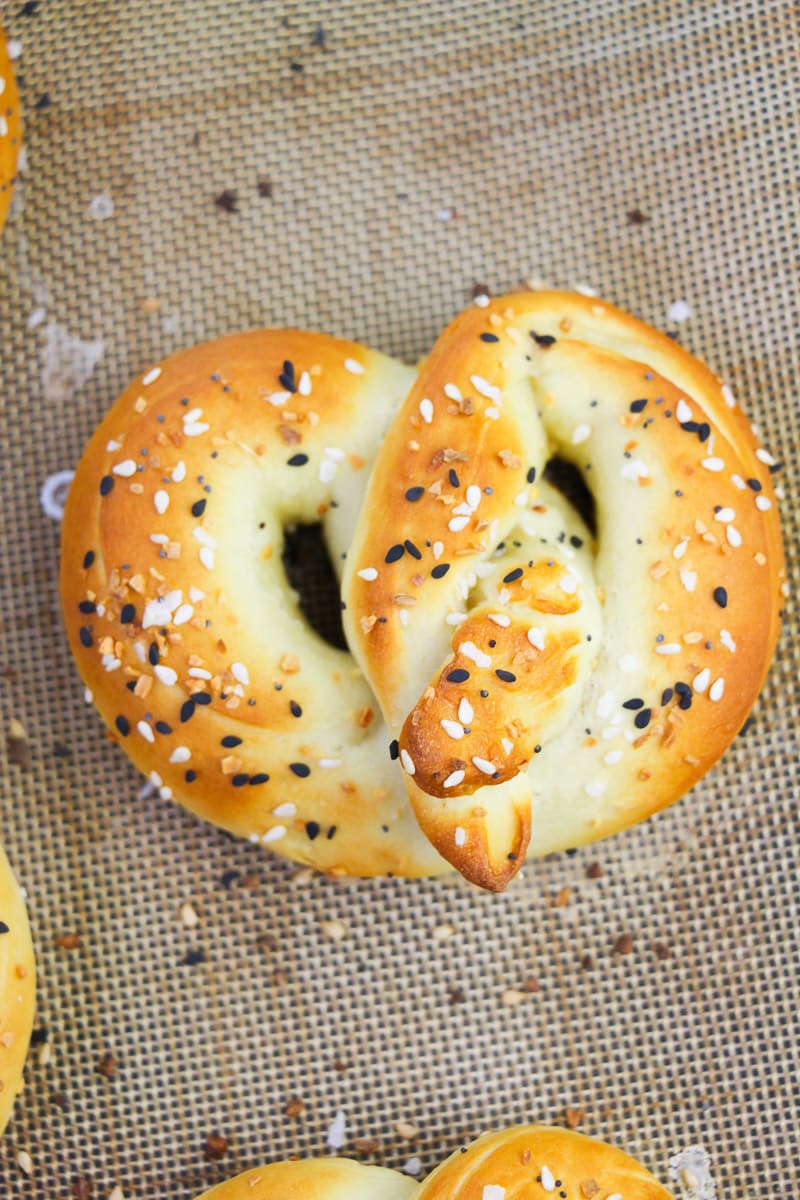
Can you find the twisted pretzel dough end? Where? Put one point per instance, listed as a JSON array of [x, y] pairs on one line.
[[17, 989]]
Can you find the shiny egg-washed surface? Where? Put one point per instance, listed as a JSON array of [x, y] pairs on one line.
[[419, 150]]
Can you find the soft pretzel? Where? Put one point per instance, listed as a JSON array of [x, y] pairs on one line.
[[17, 989], [528, 1162], [587, 684], [539, 690], [10, 129]]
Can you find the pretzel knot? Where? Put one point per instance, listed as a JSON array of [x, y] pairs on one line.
[[526, 1162], [542, 682]]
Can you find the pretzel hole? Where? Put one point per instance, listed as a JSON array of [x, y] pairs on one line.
[[567, 479], [308, 568]]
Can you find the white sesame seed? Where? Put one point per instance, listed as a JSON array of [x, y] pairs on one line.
[[733, 536], [764, 456], [184, 614], [763, 503], [678, 311], [605, 705], [727, 640], [408, 762], [304, 384], [628, 663], [470, 650], [499, 619], [615, 1196], [668, 648], [207, 557], [548, 1180], [738, 482], [165, 793], [595, 788], [180, 754], [327, 470], [701, 680], [717, 689], [145, 731], [452, 392], [473, 496], [203, 537], [161, 501], [179, 472], [492, 413], [488, 390], [465, 711], [198, 673], [195, 428], [725, 515], [569, 583], [151, 376], [453, 780], [240, 673], [274, 834], [683, 412], [457, 524], [462, 510], [367, 573], [110, 663], [493, 1191], [689, 579], [728, 396], [481, 301], [455, 618], [483, 765], [680, 549], [278, 399], [327, 763], [536, 637], [452, 729], [195, 595], [613, 757], [285, 810], [581, 433], [194, 414], [125, 469], [353, 366], [504, 595], [507, 745], [634, 468], [713, 464], [437, 549], [166, 674], [113, 445], [426, 410], [460, 836]]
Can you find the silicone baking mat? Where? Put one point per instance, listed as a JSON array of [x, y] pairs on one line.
[[196, 168]]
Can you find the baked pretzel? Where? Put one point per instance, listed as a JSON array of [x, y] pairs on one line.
[[528, 1162], [515, 662], [17, 989], [589, 681], [10, 129]]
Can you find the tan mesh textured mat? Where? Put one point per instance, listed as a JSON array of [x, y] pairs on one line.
[[411, 150]]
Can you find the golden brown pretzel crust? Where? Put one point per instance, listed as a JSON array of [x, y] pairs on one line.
[[689, 570], [529, 1162], [10, 129], [17, 988]]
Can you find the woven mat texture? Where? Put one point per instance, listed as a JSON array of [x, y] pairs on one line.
[[380, 159]]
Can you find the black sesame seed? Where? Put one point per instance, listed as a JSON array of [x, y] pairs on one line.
[[123, 725], [163, 727], [634, 703], [85, 634], [415, 493], [190, 776], [153, 654], [229, 877], [87, 606], [230, 740], [198, 508], [666, 696], [330, 832], [286, 377], [704, 432], [202, 698], [513, 576], [751, 483], [452, 475], [187, 711], [506, 676], [642, 719], [394, 553], [131, 685], [295, 709], [489, 337], [298, 460], [484, 693], [638, 406], [128, 613], [531, 474], [459, 675], [106, 484], [412, 549], [721, 597], [240, 780], [576, 541], [312, 830], [440, 570], [542, 339], [88, 559], [301, 770], [394, 749], [262, 777]]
